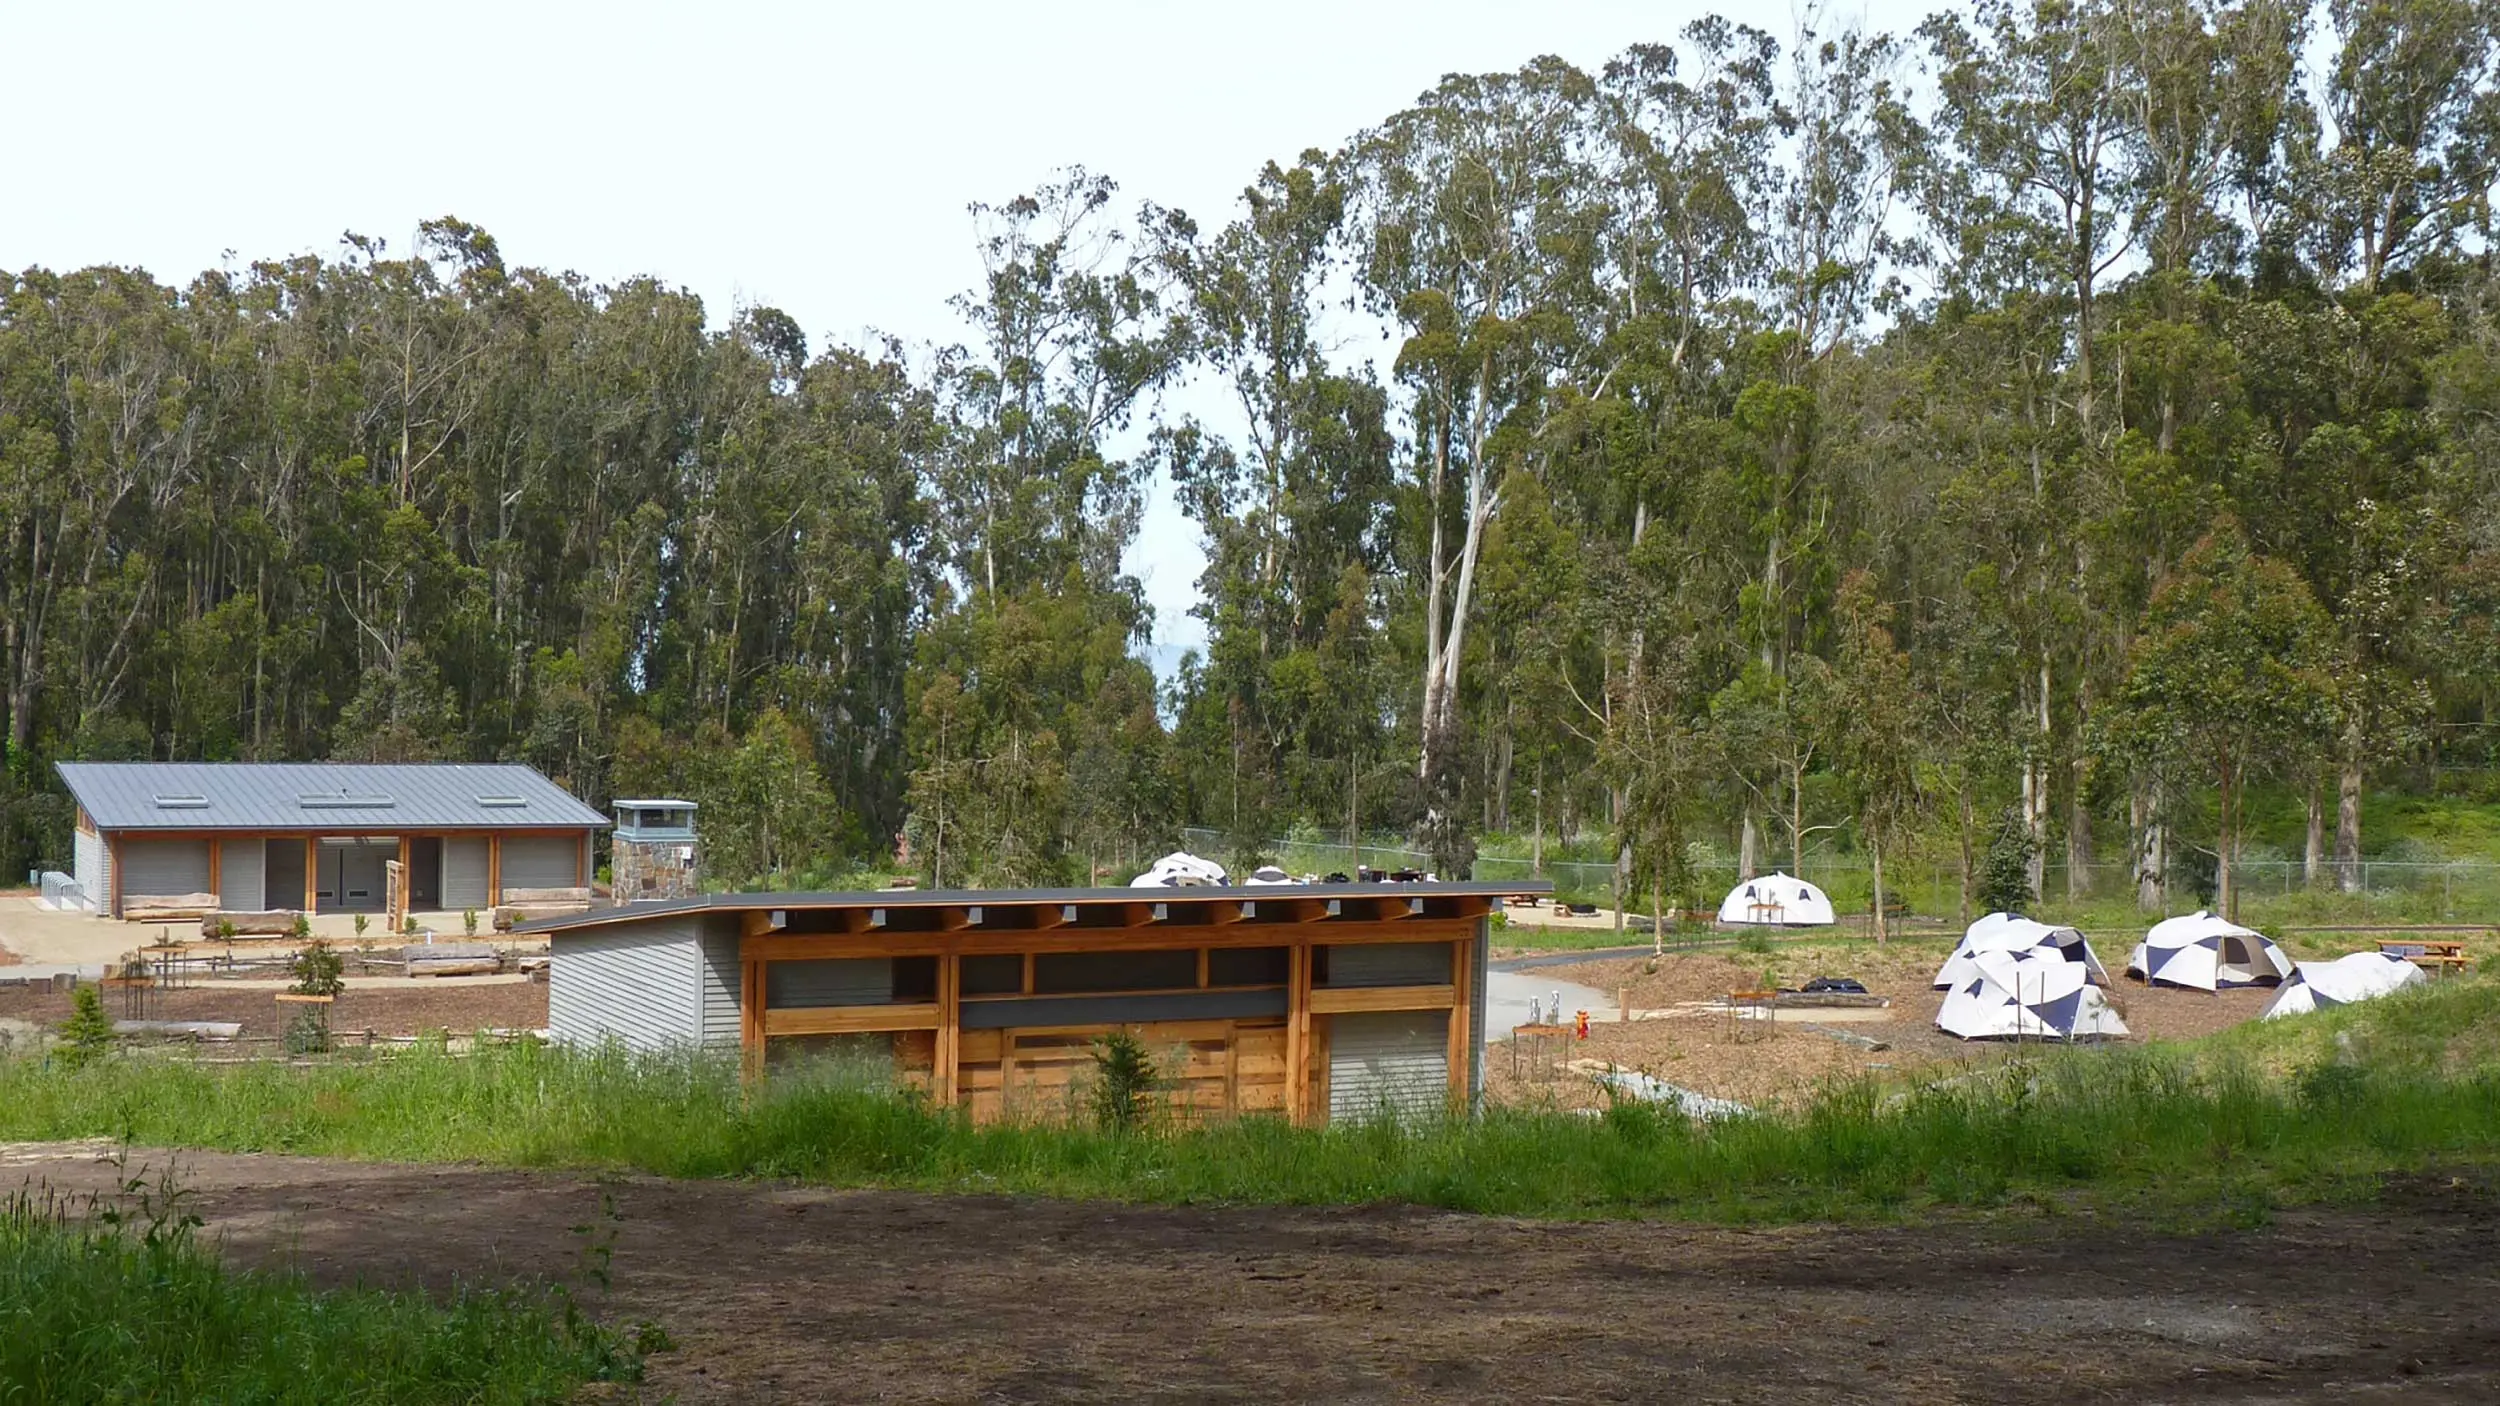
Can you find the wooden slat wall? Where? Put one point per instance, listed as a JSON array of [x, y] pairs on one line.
[[1218, 1067]]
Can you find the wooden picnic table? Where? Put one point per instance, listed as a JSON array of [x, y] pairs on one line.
[[2437, 955]]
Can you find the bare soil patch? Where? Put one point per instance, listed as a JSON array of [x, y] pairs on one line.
[[1771, 1064], [461, 1009], [781, 1293]]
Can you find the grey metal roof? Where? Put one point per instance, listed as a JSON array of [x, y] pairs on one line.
[[340, 797], [1009, 898]]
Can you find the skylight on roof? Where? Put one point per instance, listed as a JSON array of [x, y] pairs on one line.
[[342, 800], [503, 802], [182, 803]]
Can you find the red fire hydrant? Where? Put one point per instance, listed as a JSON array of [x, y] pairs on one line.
[[1584, 1023]]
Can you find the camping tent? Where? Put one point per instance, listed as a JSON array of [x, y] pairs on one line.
[[1180, 870], [2016, 935], [2208, 953], [2028, 996], [1776, 900], [2314, 986]]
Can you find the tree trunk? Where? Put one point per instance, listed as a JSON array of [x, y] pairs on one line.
[[2078, 836], [2151, 852], [2313, 850], [1749, 846], [1875, 855], [1967, 876], [2226, 843], [2348, 824]]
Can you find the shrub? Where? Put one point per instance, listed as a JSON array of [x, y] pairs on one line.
[[2005, 871], [88, 1033], [1124, 1080], [317, 969], [468, 921]]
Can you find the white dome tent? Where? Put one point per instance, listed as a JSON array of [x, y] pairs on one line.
[[1181, 870], [2360, 976], [1778, 901], [2208, 953], [2027, 996], [2015, 935]]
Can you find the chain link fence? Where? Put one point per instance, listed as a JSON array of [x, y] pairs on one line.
[[2411, 890]]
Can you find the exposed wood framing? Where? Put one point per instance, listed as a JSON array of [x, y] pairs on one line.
[[1347, 1000], [852, 1020], [494, 871], [1298, 1034], [312, 872], [217, 868], [949, 1027], [1462, 1024]]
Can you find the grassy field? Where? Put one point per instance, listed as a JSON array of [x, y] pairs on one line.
[[128, 1306], [2321, 1108]]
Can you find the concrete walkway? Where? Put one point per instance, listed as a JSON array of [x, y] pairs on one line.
[[1507, 995]]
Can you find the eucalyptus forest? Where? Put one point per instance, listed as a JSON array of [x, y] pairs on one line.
[[2075, 421]]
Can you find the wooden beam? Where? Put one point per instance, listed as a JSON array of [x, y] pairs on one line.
[[1341, 1000], [113, 900], [404, 893], [958, 919], [312, 872], [494, 871], [1462, 1028], [852, 1020], [784, 946], [1055, 915], [217, 869]]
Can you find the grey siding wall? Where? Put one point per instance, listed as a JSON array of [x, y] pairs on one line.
[[1397, 1061], [1389, 964], [242, 869], [159, 868], [464, 872], [540, 861], [720, 978], [639, 985], [282, 872], [91, 864]]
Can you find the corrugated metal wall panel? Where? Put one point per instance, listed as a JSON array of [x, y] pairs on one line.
[[464, 872], [1398, 1061], [242, 870], [541, 861], [637, 986], [721, 978], [830, 981], [282, 872], [1389, 964], [162, 868], [91, 864]]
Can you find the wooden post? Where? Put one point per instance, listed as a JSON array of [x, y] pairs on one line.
[[1462, 1027], [312, 871], [494, 871], [751, 1020], [217, 870], [1298, 1032], [404, 892], [950, 1026], [113, 900]]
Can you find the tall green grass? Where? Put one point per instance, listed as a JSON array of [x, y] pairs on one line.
[[97, 1305], [2246, 1124]]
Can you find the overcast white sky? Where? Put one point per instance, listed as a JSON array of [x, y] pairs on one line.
[[816, 157]]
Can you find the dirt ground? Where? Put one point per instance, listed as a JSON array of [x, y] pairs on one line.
[[777, 1293], [459, 1008], [1768, 1064]]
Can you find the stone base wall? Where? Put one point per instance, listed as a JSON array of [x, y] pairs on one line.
[[645, 869]]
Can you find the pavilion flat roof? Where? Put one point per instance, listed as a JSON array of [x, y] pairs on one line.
[[1033, 898]]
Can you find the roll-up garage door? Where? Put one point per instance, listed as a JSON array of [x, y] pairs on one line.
[[541, 861], [1396, 1062], [242, 865], [164, 868], [464, 873]]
